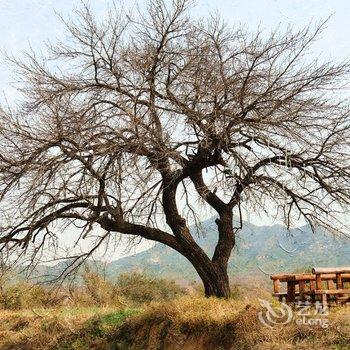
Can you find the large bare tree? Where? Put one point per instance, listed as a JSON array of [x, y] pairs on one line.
[[132, 122]]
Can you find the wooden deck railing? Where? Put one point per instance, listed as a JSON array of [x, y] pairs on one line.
[[323, 284]]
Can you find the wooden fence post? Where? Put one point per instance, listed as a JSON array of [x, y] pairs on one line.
[[302, 287], [290, 291]]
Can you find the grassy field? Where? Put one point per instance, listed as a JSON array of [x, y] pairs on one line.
[[65, 328], [142, 313], [188, 322]]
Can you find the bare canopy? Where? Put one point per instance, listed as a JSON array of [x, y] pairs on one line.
[[129, 123]]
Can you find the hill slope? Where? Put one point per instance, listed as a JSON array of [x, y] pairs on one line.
[[260, 249]]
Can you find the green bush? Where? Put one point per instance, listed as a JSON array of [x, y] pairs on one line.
[[140, 288], [25, 295], [129, 289], [97, 291], [10, 298]]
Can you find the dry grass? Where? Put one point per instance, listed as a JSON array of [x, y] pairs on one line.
[[48, 329], [195, 309], [197, 323], [189, 322]]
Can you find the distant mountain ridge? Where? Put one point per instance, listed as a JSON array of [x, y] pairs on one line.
[[260, 251]]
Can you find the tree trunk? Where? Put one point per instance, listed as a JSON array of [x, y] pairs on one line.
[[217, 284], [213, 273], [214, 277]]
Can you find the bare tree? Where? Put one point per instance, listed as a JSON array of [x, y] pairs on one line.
[[131, 122]]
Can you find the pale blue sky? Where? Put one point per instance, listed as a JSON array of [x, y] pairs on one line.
[[24, 22], [35, 21]]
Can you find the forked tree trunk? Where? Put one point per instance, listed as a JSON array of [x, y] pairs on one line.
[[213, 272], [216, 281], [217, 284], [214, 277]]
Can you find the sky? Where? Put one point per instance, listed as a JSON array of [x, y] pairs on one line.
[[31, 23], [25, 23]]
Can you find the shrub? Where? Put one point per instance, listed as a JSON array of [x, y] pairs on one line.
[[140, 288], [25, 295], [97, 291], [129, 289]]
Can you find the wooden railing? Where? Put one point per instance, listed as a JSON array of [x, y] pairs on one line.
[[323, 284]]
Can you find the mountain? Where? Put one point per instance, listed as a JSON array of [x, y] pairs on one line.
[[262, 250]]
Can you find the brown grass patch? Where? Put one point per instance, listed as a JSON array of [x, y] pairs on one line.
[[209, 323]]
